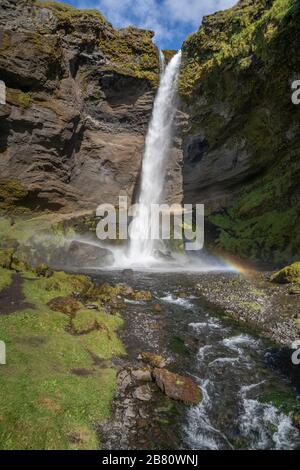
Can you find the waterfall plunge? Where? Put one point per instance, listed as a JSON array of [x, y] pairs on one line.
[[158, 140]]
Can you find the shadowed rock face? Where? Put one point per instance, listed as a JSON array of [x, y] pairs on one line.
[[241, 151], [79, 97]]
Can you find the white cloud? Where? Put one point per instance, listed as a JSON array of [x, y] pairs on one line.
[[171, 20], [192, 11]]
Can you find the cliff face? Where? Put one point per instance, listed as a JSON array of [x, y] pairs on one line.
[[241, 152], [79, 96]]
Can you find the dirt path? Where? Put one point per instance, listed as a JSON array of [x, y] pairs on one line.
[[12, 298]]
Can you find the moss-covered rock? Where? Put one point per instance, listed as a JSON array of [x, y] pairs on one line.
[[67, 305], [141, 296], [287, 275], [153, 360], [66, 14], [131, 52]]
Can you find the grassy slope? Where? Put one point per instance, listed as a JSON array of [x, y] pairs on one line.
[[44, 404]]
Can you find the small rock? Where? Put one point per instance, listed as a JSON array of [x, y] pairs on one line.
[[157, 307], [152, 359], [177, 386], [141, 295], [142, 375], [142, 393]]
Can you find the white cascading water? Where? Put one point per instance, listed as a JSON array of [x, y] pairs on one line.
[[158, 140]]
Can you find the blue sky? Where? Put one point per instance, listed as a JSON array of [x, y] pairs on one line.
[[171, 20]]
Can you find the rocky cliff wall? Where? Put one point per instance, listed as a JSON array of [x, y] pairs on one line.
[[241, 151], [79, 97]]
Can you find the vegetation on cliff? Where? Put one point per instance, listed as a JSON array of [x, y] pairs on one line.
[[235, 83]]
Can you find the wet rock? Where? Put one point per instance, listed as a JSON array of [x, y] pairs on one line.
[[142, 375], [157, 307], [153, 360], [177, 386], [142, 393], [124, 380], [84, 254]]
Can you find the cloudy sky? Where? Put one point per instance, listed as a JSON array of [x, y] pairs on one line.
[[172, 20]]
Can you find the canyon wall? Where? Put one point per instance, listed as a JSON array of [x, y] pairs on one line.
[[79, 97], [241, 150]]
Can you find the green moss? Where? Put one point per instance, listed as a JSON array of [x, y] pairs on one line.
[[287, 275], [141, 295], [11, 192], [242, 60], [47, 405], [6, 258], [67, 13], [18, 98], [131, 52], [5, 278], [253, 306]]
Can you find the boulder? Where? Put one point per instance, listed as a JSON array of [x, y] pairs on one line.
[[82, 254], [142, 375], [141, 295], [287, 275], [143, 393], [177, 386], [152, 360]]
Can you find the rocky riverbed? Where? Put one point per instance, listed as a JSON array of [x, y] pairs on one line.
[[247, 400], [272, 309]]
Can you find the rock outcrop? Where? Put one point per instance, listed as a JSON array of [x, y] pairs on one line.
[[241, 152], [79, 97], [288, 275]]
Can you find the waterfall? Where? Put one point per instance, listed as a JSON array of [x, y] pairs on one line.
[[157, 145]]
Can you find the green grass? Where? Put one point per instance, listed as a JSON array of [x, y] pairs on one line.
[[45, 405], [5, 278]]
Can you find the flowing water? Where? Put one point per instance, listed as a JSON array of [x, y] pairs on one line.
[[157, 146], [231, 366]]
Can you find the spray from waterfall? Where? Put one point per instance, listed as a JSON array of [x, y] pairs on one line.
[[158, 140]]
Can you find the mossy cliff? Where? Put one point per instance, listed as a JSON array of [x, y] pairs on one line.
[[241, 150], [79, 97]]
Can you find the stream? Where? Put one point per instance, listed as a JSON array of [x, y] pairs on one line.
[[232, 366]]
